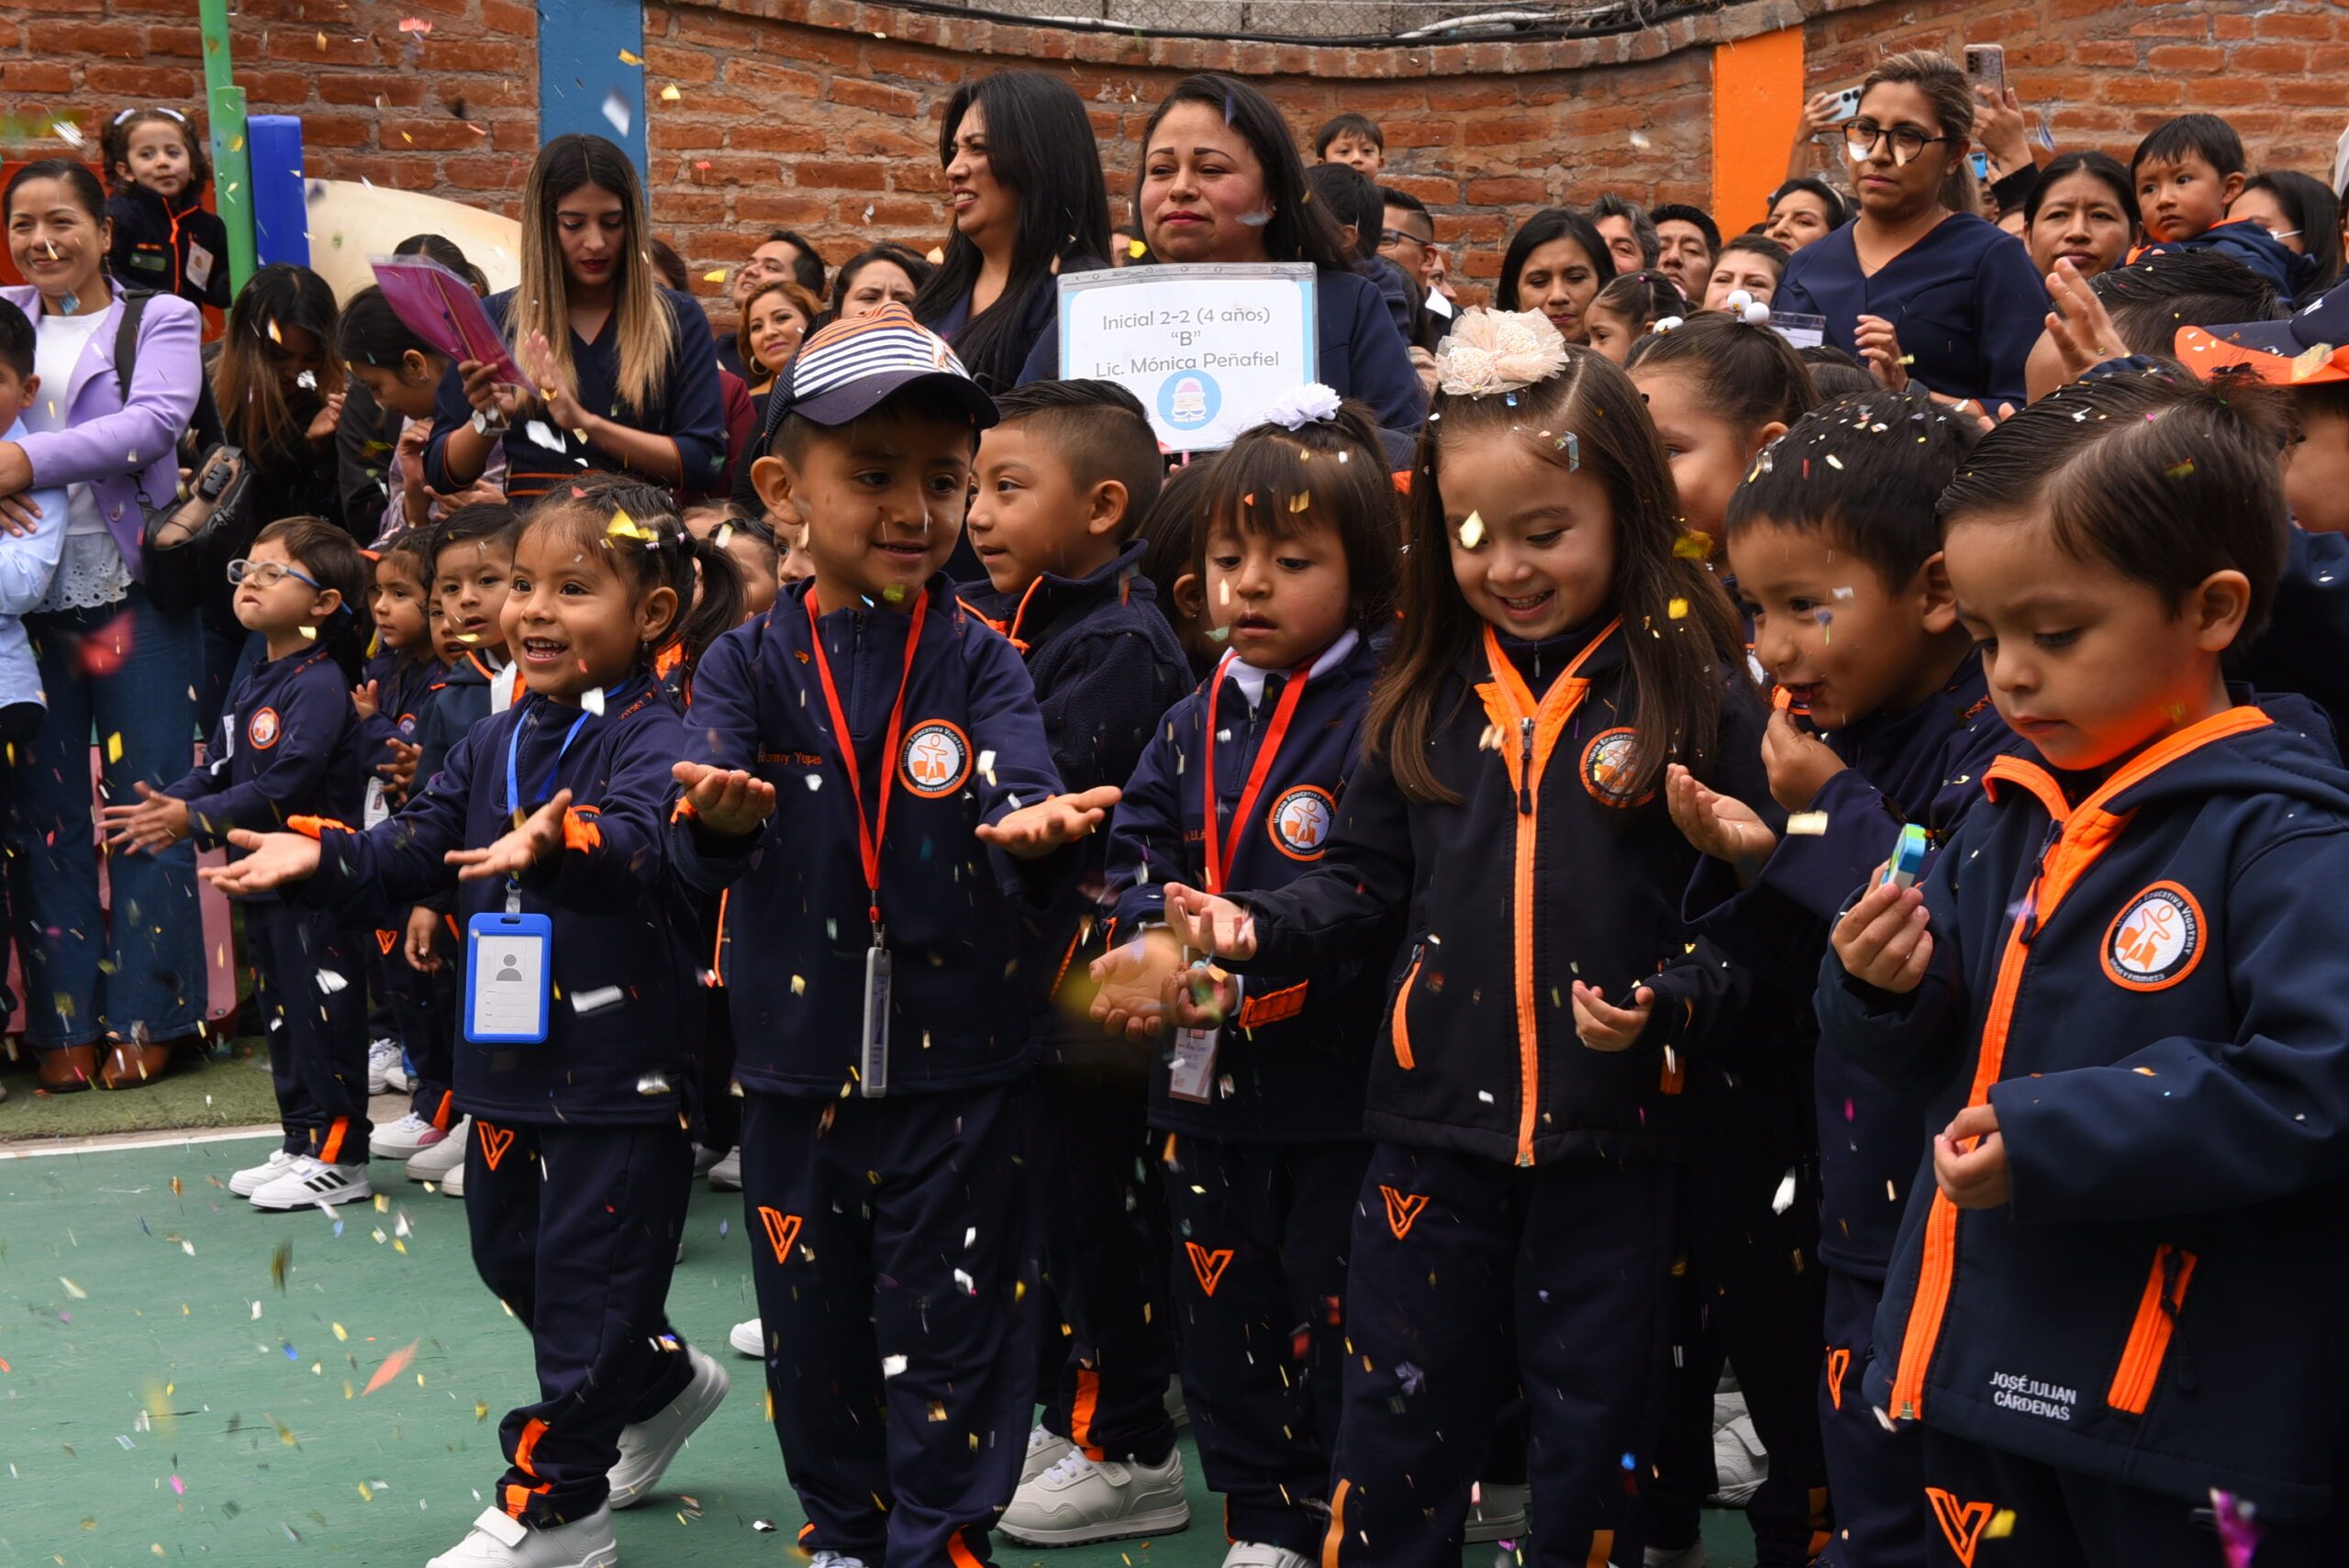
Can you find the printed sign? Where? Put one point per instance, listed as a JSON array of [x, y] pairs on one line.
[[1207, 349]]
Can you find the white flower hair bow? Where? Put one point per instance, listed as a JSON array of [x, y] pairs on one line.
[[1493, 351], [1311, 403]]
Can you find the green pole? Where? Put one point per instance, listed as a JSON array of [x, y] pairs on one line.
[[231, 170]]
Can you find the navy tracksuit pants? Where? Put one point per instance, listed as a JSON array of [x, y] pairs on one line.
[[1450, 1250], [574, 1226], [425, 1008], [1105, 1351], [1874, 1476], [317, 1029], [1261, 1236], [887, 1238]]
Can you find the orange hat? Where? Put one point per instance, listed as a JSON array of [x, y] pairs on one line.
[[2307, 349]]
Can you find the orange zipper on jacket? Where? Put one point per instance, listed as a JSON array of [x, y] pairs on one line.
[[1529, 733], [1402, 1029], [2141, 1359], [2078, 837]]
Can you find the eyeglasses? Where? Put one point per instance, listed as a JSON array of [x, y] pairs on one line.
[[1861, 136], [1387, 237], [267, 573]]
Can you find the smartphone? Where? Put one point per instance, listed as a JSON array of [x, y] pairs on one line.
[[1981, 162], [1907, 860], [1847, 103], [1986, 63]]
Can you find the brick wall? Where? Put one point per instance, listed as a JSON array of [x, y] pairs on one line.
[[821, 115]]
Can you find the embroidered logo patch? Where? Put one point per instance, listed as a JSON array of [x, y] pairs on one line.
[[1838, 1361], [1208, 1267], [2155, 941], [782, 1229], [936, 758], [1606, 768], [1403, 1209], [262, 730], [494, 1142], [1301, 822], [1961, 1522]]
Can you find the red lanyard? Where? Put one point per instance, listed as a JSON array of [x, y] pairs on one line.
[[1219, 870], [868, 840]]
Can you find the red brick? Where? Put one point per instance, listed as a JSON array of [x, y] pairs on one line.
[[921, 65], [25, 76], [2142, 90], [1514, 192], [827, 174], [321, 46], [146, 81], [2186, 57], [819, 49], [864, 95], [758, 76], [2271, 59], [684, 64], [338, 131], [121, 40], [775, 139], [770, 207], [442, 135], [479, 173], [512, 20], [2308, 25], [385, 92]]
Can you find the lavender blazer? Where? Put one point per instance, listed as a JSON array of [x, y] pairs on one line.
[[128, 454]]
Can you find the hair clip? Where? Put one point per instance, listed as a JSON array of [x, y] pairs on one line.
[[1746, 308], [1495, 352], [1664, 324], [1312, 404]]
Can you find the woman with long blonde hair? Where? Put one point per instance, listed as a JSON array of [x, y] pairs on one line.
[[620, 373]]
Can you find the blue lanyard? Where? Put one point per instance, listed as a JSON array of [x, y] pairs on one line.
[[514, 752]]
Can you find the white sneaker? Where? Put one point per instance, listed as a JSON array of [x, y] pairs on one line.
[[1498, 1514], [1674, 1557], [443, 1154], [648, 1446], [396, 1078], [705, 1157], [834, 1559], [312, 1181], [382, 1055], [726, 1177], [1044, 1450], [252, 1178], [1079, 1500], [496, 1542], [1740, 1463], [749, 1339], [404, 1139], [453, 1183], [1255, 1554]]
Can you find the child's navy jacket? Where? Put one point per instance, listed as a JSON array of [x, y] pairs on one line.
[[1293, 1063], [627, 998], [453, 703], [287, 745], [1923, 766], [404, 687], [1479, 1052], [1106, 667], [152, 238], [2143, 976], [970, 748], [2305, 648]]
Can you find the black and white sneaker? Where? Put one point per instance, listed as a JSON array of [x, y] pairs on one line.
[[312, 1181]]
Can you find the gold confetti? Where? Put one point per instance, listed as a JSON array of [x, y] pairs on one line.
[[629, 57], [1693, 546], [1472, 532], [715, 275], [2002, 1525], [670, 94], [114, 747], [1678, 609]]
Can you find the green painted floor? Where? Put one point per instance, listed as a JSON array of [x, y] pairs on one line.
[[182, 1379]]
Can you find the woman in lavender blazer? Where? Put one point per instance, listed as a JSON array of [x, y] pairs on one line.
[[112, 666]]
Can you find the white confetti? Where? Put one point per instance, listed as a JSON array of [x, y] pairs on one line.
[[541, 434], [593, 701], [330, 983], [616, 110], [1785, 1199], [595, 1000], [892, 1365], [1806, 824]]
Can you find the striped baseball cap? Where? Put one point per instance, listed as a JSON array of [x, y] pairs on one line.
[[845, 371]]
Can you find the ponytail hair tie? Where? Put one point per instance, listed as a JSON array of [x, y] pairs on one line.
[[1664, 324], [1312, 404], [1746, 308]]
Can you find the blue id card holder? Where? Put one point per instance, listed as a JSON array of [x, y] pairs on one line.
[[509, 970]]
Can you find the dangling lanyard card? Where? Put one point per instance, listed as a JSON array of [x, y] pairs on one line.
[[376, 809], [873, 1049], [509, 973], [1192, 1072]]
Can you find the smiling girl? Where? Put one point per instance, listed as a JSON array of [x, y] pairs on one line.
[[163, 240]]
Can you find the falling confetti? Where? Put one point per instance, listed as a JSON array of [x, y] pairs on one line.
[[629, 57], [1472, 532], [394, 1364], [615, 112], [669, 95]]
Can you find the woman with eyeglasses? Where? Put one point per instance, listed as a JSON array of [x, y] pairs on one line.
[[1916, 287]]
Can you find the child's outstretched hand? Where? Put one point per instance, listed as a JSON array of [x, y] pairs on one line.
[[1717, 825], [367, 698], [272, 860], [419, 942], [401, 769], [730, 804], [1975, 1177], [1034, 831], [1602, 1026], [156, 823], [1132, 977], [1200, 996], [2079, 326], [1882, 940], [1799, 763], [518, 848], [1216, 926]]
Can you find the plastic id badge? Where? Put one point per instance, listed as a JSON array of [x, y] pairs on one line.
[[375, 809], [1193, 1068], [508, 974], [873, 1053], [1908, 856]]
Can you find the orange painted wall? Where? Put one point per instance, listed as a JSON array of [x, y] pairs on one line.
[[1757, 103]]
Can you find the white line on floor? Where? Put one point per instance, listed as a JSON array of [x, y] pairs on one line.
[[108, 1142]]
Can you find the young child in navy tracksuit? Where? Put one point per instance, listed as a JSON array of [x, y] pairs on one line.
[[1554, 653], [289, 744], [581, 1155], [163, 238], [2112, 987], [1837, 565], [880, 1170], [391, 694], [1261, 1096], [1064, 476]]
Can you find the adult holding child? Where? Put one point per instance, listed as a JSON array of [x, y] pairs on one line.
[[1023, 177], [1914, 286], [622, 374], [111, 662]]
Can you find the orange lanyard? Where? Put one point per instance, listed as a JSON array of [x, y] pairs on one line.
[[1219, 868], [868, 840]]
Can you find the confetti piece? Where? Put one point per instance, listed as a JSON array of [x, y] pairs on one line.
[[69, 133], [394, 1364], [1784, 1200], [1678, 609], [2002, 1525], [2180, 470], [670, 94], [1693, 546], [1472, 532], [275, 336], [629, 57], [1135, 250], [595, 1000], [715, 275], [329, 981], [591, 700], [892, 1365], [114, 747], [414, 24], [1806, 824], [75, 1291], [615, 112], [281, 1263]]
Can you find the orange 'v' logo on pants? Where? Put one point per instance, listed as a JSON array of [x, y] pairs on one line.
[[782, 1230], [1961, 1522], [1208, 1267], [494, 1142], [1403, 1209], [1838, 1361]]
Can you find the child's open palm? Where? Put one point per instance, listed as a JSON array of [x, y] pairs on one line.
[[1131, 977], [272, 860], [1882, 940], [1717, 825], [156, 823], [1602, 1026], [1214, 926], [516, 850], [730, 802], [1034, 831]]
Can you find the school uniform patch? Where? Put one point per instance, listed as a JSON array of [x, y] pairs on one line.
[[1208, 1267], [935, 758], [783, 1231], [2155, 941], [1606, 768], [1300, 821], [262, 730]]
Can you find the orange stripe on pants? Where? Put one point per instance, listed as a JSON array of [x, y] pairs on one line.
[[1080, 1413], [959, 1555], [532, 1430], [332, 1149], [1336, 1537]]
